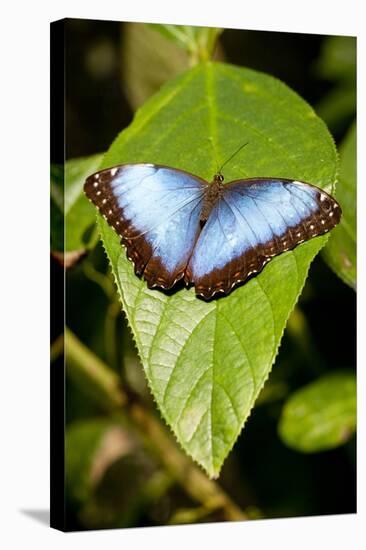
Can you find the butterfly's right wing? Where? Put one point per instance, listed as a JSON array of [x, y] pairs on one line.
[[156, 210], [253, 221]]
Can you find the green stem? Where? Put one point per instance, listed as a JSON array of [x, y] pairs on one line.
[[110, 328], [103, 281], [89, 372]]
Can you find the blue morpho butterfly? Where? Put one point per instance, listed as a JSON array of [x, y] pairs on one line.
[[175, 225]]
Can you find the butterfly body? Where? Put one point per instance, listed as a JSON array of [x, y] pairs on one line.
[[215, 236], [213, 193]]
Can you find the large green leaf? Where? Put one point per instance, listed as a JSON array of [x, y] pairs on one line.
[[322, 415], [207, 362], [340, 252]]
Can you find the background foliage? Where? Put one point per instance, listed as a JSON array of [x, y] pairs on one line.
[[296, 453]]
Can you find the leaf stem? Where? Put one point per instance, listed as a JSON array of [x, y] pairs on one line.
[[110, 328], [103, 281]]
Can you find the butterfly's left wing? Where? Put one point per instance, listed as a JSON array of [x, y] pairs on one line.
[[252, 221], [156, 210]]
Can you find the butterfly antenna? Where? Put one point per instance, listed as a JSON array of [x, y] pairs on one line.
[[232, 156]]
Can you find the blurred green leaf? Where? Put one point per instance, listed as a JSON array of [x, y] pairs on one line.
[[161, 60], [322, 415], [91, 447], [337, 62], [340, 251], [110, 479], [337, 59], [338, 105], [191, 515], [79, 213], [125, 493], [57, 207], [199, 42], [72, 215], [207, 362]]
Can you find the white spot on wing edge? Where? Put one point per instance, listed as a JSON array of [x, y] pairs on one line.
[[114, 171]]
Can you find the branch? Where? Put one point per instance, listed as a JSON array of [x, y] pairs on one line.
[[92, 375]]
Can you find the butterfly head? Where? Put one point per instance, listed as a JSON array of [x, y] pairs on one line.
[[218, 178]]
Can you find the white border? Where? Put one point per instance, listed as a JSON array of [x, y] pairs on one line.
[[25, 288]]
